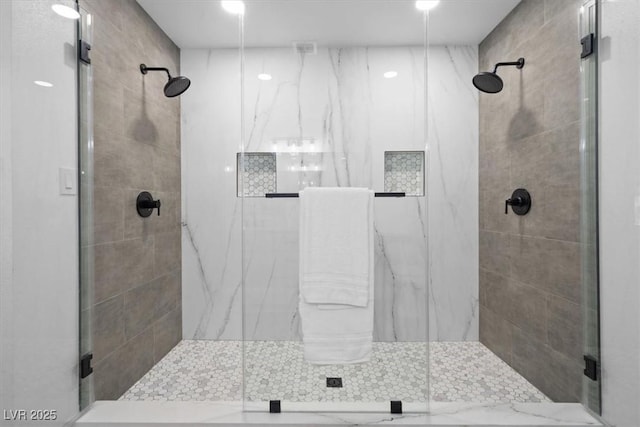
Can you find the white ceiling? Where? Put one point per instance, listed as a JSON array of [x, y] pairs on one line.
[[277, 23]]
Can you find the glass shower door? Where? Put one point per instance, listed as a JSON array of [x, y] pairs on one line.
[[333, 109]]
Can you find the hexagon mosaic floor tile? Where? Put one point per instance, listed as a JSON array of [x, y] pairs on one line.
[[276, 370], [404, 172]]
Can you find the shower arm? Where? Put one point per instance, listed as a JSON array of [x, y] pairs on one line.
[[144, 69], [518, 64]]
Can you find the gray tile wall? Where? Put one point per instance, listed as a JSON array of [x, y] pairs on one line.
[[530, 312], [137, 315]]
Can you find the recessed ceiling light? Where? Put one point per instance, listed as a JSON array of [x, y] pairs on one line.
[[425, 5], [235, 7], [390, 74], [65, 11], [264, 77], [43, 83]]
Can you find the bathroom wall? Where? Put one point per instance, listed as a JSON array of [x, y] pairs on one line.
[[38, 225], [530, 295], [137, 314], [619, 211], [340, 100]]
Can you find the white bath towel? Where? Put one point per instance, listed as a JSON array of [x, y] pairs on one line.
[[336, 233], [336, 274]]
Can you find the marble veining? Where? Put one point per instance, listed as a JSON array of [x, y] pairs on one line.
[[329, 117]]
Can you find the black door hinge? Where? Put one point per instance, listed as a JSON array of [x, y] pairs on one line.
[[591, 367], [588, 45], [83, 52], [85, 365]]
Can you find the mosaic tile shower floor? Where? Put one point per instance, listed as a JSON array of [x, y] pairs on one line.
[[212, 371]]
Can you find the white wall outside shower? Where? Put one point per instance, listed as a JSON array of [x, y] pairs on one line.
[[620, 211], [38, 226]]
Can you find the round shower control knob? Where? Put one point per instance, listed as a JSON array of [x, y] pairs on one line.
[[145, 204], [520, 202]]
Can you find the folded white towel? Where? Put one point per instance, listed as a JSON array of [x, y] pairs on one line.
[[336, 274], [335, 244]]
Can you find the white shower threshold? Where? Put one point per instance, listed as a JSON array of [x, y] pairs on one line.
[[178, 414]]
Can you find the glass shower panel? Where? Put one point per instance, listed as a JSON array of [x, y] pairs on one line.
[[86, 206], [589, 207], [331, 104]]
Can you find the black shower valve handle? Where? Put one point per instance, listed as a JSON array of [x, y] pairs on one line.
[[145, 204], [520, 202], [517, 201], [151, 204]]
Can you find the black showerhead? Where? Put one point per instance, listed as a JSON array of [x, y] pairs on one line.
[[175, 86], [490, 82]]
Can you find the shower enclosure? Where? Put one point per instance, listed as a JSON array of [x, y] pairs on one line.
[[470, 305]]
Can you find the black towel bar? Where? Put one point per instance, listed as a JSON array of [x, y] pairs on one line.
[[294, 195]]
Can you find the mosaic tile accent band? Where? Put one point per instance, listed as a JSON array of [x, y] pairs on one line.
[[212, 371], [258, 174], [404, 172]]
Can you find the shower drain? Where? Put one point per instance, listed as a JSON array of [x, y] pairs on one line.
[[334, 382]]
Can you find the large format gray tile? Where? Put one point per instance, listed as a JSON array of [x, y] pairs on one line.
[[531, 358], [526, 111], [168, 247], [108, 106], [564, 332], [167, 333], [564, 378], [564, 264], [108, 154], [108, 219], [496, 333], [554, 8], [561, 213], [496, 294], [147, 120], [110, 11], [108, 327], [553, 373], [139, 308], [495, 253], [167, 171], [529, 260], [168, 290], [121, 265], [528, 310], [122, 368], [138, 164]]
